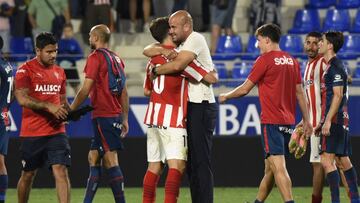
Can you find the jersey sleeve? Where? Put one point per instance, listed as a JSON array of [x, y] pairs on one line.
[[92, 66], [147, 80], [298, 72], [258, 70], [195, 71], [22, 78], [337, 77], [63, 83]]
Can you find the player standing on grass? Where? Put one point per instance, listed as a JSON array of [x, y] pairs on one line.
[[202, 109], [334, 127], [6, 83], [105, 82], [40, 89], [277, 75], [165, 116], [314, 70]]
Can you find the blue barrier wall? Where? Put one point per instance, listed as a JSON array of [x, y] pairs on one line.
[[237, 117]]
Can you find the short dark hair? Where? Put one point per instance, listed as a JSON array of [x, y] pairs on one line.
[[159, 28], [45, 38], [335, 38], [315, 34], [269, 30]]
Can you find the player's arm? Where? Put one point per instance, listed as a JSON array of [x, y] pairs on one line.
[[211, 78], [240, 91], [300, 95], [334, 107], [24, 100], [83, 93], [178, 64], [155, 49], [124, 102]]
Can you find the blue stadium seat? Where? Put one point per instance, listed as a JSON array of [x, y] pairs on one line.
[[351, 47], [21, 48], [240, 72], [228, 47], [292, 44], [348, 4], [306, 20], [357, 73], [356, 25], [320, 3], [252, 52], [337, 19], [222, 72], [302, 64]]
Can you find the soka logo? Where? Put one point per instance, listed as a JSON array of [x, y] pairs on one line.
[[47, 89], [283, 60]]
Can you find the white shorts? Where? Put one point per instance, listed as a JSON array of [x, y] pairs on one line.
[[164, 144], [314, 149]]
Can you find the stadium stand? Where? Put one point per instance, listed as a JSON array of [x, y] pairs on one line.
[[228, 47], [292, 44], [21, 48], [348, 4], [306, 20], [337, 19], [351, 47], [321, 3], [252, 52], [356, 25]]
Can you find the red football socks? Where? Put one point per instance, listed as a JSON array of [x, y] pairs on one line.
[[149, 187], [172, 185]]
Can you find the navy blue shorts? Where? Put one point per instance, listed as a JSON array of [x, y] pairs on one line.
[[275, 139], [107, 133], [338, 142], [4, 138], [45, 150]]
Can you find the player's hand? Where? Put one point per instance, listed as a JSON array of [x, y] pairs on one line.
[[317, 130], [222, 98], [169, 54], [124, 129], [326, 128], [59, 111], [308, 129]]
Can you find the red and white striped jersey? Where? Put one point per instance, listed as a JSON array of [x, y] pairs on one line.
[[169, 94], [312, 80]]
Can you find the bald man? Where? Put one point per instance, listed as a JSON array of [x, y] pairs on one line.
[[105, 78], [202, 109]]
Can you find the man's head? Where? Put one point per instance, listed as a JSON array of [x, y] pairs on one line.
[[332, 41], [46, 48], [159, 29], [267, 35], [68, 31], [181, 26], [311, 45], [99, 35]]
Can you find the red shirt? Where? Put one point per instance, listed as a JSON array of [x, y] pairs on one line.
[[168, 100], [44, 84], [104, 102], [276, 73]]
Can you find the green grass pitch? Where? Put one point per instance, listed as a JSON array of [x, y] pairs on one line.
[[133, 195]]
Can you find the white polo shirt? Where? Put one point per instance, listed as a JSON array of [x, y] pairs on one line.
[[196, 44]]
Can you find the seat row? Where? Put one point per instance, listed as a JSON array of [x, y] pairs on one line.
[[336, 3], [307, 20], [230, 47]]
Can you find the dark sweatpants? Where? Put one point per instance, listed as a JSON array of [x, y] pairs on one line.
[[201, 118]]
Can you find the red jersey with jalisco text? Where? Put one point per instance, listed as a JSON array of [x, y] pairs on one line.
[[45, 84]]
